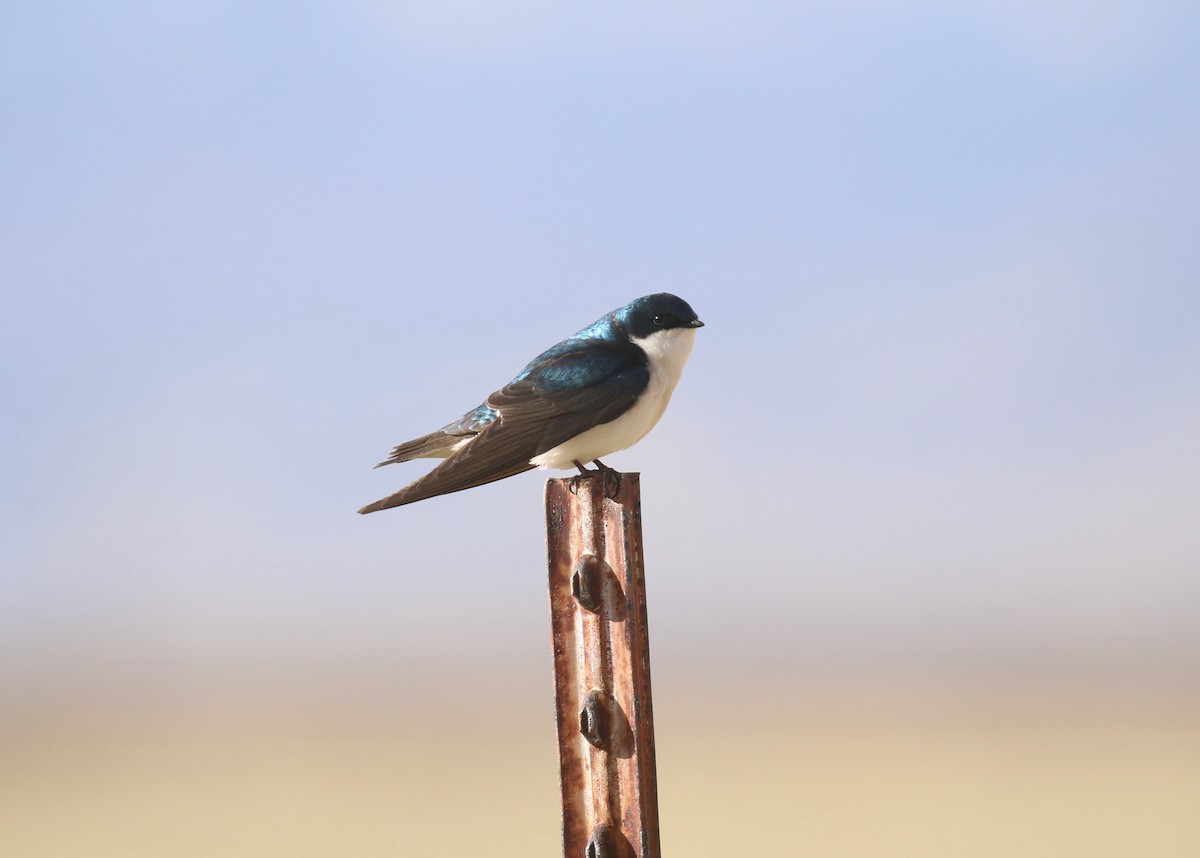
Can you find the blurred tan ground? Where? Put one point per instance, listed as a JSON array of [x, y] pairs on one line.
[[837, 775]]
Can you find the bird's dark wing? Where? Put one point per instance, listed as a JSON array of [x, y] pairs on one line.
[[567, 394]]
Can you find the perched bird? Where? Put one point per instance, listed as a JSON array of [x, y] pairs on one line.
[[596, 392]]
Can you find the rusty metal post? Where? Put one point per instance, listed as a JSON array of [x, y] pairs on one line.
[[602, 669]]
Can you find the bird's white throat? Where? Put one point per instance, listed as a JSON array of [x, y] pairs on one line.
[[667, 352]]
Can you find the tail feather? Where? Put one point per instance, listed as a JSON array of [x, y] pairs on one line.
[[435, 444], [433, 484]]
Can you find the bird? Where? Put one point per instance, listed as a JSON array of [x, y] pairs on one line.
[[598, 391]]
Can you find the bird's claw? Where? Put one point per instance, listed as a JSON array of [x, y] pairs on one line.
[[611, 478]]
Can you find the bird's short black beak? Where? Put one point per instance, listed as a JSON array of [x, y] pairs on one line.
[[695, 323]]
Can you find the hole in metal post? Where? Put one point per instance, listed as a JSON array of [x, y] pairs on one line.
[[604, 723], [595, 720], [595, 585], [607, 841], [587, 582]]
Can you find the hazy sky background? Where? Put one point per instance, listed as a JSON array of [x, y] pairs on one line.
[[945, 413]]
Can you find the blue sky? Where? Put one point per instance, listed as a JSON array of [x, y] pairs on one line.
[[945, 409]]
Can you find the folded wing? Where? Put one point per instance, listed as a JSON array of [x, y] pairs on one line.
[[592, 384]]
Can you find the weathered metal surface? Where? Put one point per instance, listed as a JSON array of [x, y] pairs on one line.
[[602, 669]]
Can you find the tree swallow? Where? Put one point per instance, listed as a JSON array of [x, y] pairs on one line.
[[596, 392]]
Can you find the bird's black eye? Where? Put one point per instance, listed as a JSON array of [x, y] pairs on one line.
[[667, 320]]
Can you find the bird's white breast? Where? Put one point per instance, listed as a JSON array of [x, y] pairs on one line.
[[667, 352]]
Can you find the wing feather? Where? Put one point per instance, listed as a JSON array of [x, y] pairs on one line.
[[592, 384]]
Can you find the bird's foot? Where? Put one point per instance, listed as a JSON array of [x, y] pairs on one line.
[[611, 478], [583, 474]]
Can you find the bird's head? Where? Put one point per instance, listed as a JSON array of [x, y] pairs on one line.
[[651, 314]]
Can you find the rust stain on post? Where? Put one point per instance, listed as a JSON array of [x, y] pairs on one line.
[[602, 669]]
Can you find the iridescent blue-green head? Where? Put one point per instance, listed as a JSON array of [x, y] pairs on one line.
[[652, 313]]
